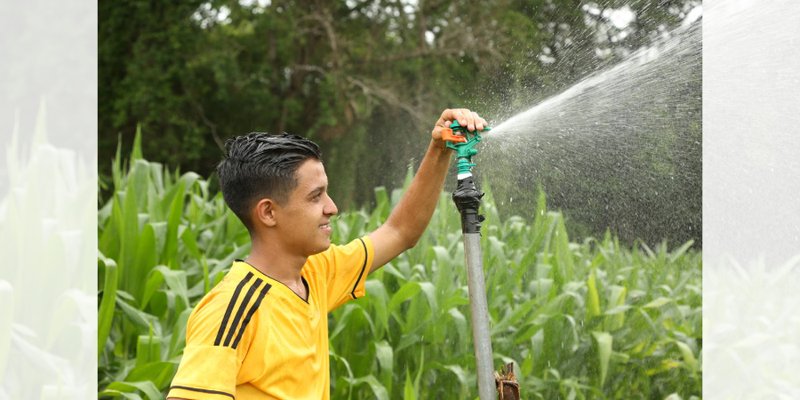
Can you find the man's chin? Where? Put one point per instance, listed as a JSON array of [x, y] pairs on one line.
[[322, 247]]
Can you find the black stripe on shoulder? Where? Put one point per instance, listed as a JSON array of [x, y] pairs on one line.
[[241, 309], [363, 267], [250, 313], [203, 390], [228, 311]]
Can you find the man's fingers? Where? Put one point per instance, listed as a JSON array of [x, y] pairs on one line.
[[437, 129], [479, 122], [466, 118], [471, 120]]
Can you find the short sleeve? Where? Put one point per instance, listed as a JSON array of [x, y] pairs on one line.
[[347, 267], [217, 339]]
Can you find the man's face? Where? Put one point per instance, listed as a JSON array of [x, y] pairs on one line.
[[304, 219]]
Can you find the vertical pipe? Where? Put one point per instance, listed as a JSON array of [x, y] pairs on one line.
[[468, 200], [480, 316]]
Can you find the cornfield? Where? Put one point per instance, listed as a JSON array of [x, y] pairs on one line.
[[590, 320]]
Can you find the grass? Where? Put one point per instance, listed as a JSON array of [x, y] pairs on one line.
[[590, 320]]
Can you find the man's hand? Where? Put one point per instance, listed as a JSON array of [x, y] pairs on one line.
[[466, 118], [410, 217]]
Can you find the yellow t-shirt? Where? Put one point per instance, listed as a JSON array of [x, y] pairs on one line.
[[251, 337]]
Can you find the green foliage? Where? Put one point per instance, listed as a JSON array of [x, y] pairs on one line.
[[579, 320], [355, 76], [164, 241]]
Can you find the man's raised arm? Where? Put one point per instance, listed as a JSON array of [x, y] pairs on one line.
[[411, 216]]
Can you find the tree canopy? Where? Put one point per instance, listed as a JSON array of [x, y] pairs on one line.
[[365, 79]]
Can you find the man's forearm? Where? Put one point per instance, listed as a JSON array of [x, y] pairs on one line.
[[410, 217], [414, 211]]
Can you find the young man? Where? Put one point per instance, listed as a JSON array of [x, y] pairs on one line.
[[262, 333]]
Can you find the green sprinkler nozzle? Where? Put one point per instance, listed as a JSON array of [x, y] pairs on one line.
[[463, 141]]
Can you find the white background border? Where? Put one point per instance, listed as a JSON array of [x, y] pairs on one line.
[[751, 199]]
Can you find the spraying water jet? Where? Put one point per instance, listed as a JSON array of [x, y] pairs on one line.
[[619, 150]]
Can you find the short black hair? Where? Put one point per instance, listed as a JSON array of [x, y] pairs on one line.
[[259, 165]]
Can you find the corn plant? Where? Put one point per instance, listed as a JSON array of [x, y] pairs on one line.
[[46, 222], [590, 320], [164, 241]]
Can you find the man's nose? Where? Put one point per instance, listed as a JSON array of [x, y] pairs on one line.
[[330, 207]]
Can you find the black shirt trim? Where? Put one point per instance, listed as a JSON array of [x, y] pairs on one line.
[[231, 304], [363, 268], [250, 313], [241, 309], [203, 390]]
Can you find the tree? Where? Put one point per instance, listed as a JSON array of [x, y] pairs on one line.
[[363, 78]]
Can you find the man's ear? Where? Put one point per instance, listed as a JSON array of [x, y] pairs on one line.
[[264, 212]]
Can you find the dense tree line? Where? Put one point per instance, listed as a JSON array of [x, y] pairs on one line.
[[365, 79]]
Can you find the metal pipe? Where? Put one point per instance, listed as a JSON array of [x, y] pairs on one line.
[[468, 201], [480, 316]]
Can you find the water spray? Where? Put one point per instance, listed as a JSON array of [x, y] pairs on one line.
[[468, 199]]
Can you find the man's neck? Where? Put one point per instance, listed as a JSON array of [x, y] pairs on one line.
[[278, 264]]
